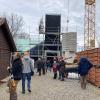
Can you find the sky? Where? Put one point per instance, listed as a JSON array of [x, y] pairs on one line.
[[33, 10]]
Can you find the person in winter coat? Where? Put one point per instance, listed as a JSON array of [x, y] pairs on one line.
[[41, 66], [54, 67], [26, 71], [17, 67], [83, 69], [62, 69], [17, 74]]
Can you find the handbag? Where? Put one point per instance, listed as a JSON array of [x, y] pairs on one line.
[[32, 72], [12, 85]]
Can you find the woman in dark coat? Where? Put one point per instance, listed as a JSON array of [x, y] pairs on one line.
[[16, 72], [83, 69], [17, 67]]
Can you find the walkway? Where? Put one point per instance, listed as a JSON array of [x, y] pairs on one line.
[[45, 88]]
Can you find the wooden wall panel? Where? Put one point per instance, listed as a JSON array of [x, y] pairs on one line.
[[4, 55]]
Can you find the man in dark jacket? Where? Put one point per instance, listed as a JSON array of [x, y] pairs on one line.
[[83, 69], [41, 66], [62, 69]]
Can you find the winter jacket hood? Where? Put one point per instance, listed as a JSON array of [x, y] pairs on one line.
[[84, 66]]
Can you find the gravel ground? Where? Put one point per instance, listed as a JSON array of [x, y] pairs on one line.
[[45, 88]]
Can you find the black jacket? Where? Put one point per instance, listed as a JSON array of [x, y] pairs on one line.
[[62, 65], [40, 64], [17, 69]]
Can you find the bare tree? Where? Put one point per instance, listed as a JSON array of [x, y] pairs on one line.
[[15, 23]]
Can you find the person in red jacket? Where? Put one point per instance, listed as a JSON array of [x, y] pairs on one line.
[[55, 69]]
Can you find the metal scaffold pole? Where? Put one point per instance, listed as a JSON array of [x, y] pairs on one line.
[[67, 16], [38, 45]]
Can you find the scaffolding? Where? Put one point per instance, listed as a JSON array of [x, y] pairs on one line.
[[53, 46], [50, 46], [42, 48]]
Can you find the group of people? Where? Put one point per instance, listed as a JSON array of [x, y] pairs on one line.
[[59, 66], [23, 68], [56, 64]]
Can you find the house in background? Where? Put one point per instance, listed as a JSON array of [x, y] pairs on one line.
[[25, 41], [7, 46]]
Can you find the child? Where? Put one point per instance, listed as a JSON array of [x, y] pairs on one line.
[[55, 69]]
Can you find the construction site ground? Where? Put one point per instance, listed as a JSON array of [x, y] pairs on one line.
[[46, 88]]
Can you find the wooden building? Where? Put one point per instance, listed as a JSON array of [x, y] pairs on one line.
[[7, 46]]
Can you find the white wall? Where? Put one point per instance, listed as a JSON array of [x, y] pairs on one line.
[[69, 41], [68, 55]]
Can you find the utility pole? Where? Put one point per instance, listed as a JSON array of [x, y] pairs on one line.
[[67, 15]]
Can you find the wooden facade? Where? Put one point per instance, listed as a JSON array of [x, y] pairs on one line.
[[6, 47]]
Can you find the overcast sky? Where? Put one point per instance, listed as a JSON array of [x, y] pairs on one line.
[[33, 10]]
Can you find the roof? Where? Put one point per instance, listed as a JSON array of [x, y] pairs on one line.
[[7, 34], [34, 50], [22, 44]]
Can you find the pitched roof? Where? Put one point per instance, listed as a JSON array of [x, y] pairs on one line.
[[7, 34]]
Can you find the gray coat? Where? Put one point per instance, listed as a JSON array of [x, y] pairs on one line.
[[27, 64]]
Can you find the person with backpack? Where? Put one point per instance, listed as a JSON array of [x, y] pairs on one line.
[[27, 71], [83, 68]]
